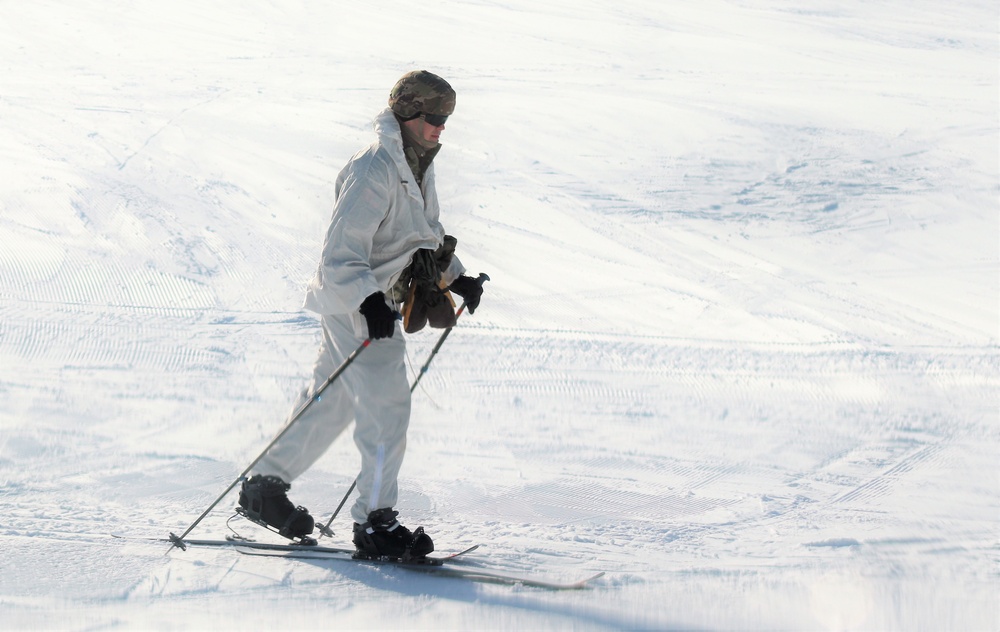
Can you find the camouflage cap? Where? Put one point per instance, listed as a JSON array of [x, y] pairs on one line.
[[421, 91]]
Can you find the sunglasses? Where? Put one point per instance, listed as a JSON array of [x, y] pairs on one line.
[[437, 120]]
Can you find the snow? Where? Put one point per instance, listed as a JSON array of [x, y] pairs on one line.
[[739, 349]]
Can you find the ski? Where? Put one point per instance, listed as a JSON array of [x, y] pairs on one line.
[[300, 550], [437, 567], [293, 547], [431, 565]]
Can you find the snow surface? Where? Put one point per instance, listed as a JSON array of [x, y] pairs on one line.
[[739, 350]]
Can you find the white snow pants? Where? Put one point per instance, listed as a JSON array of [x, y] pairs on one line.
[[374, 393]]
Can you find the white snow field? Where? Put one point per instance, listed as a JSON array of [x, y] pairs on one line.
[[739, 351]]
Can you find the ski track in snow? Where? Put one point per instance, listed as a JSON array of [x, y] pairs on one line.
[[739, 349]]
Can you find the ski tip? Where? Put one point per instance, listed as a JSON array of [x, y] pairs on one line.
[[581, 584]]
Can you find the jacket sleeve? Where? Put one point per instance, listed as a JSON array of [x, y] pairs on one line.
[[432, 211], [345, 278], [454, 270]]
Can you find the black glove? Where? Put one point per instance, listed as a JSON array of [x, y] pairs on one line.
[[380, 317], [469, 289]]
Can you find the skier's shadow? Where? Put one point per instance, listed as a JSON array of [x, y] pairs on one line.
[[423, 583]]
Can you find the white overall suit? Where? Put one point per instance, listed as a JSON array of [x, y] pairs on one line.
[[380, 219]]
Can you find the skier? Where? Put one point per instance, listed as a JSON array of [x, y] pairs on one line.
[[385, 250]]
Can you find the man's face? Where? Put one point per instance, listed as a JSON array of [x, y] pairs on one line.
[[429, 135]]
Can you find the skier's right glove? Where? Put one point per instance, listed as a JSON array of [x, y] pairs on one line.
[[380, 317]]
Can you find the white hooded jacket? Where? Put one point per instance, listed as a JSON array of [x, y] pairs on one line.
[[380, 219]]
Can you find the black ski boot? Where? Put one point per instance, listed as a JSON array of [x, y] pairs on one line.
[[264, 500], [383, 537]]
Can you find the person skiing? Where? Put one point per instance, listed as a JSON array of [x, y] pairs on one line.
[[385, 250]]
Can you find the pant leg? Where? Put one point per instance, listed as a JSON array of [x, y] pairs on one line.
[[321, 423], [381, 389], [374, 391]]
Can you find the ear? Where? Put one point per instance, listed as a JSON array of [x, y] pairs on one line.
[[416, 126]]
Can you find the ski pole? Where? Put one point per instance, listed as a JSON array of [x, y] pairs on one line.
[[179, 540], [325, 529], [483, 277]]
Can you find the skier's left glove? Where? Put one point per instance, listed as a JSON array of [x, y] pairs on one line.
[[469, 289]]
